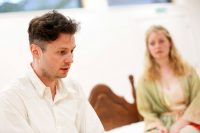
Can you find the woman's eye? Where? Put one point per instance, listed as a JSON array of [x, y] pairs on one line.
[[152, 43], [161, 41]]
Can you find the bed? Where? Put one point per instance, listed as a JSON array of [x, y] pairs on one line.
[[114, 111], [137, 127]]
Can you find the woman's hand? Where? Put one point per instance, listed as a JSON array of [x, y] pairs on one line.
[[162, 129], [178, 125]]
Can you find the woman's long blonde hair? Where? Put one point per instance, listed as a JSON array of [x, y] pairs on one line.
[[177, 65]]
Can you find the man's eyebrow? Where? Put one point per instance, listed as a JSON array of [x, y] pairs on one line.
[[66, 48]]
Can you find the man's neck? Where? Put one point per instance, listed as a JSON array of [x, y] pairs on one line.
[[51, 83]]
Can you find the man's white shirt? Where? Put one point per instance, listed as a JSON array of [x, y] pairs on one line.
[[26, 106]]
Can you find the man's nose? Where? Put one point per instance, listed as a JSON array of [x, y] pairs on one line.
[[69, 58]]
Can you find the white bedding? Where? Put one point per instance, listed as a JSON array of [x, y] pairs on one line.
[[132, 128]]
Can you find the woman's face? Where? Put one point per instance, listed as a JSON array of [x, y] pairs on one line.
[[158, 45]]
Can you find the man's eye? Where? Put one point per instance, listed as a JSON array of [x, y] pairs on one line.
[[62, 52]]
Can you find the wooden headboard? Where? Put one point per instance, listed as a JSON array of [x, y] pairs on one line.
[[113, 110]]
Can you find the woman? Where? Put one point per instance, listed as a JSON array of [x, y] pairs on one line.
[[168, 93]]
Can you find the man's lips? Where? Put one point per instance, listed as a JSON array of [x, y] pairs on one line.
[[64, 69]]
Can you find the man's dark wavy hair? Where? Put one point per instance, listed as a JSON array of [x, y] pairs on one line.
[[48, 27]]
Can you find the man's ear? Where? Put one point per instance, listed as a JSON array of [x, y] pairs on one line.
[[35, 50]]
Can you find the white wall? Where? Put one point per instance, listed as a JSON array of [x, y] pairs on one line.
[[110, 44]]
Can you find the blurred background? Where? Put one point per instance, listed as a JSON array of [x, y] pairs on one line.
[[111, 42]]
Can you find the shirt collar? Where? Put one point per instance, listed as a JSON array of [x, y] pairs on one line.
[[61, 91], [37, 83], [66, 88], [40, 87]]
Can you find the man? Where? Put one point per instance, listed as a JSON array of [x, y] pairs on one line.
[[40, 102]]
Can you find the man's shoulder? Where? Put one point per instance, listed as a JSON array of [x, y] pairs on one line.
[[13, 88], [10, 94]]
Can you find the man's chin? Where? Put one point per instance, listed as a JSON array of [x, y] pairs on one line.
[[62, 76]]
